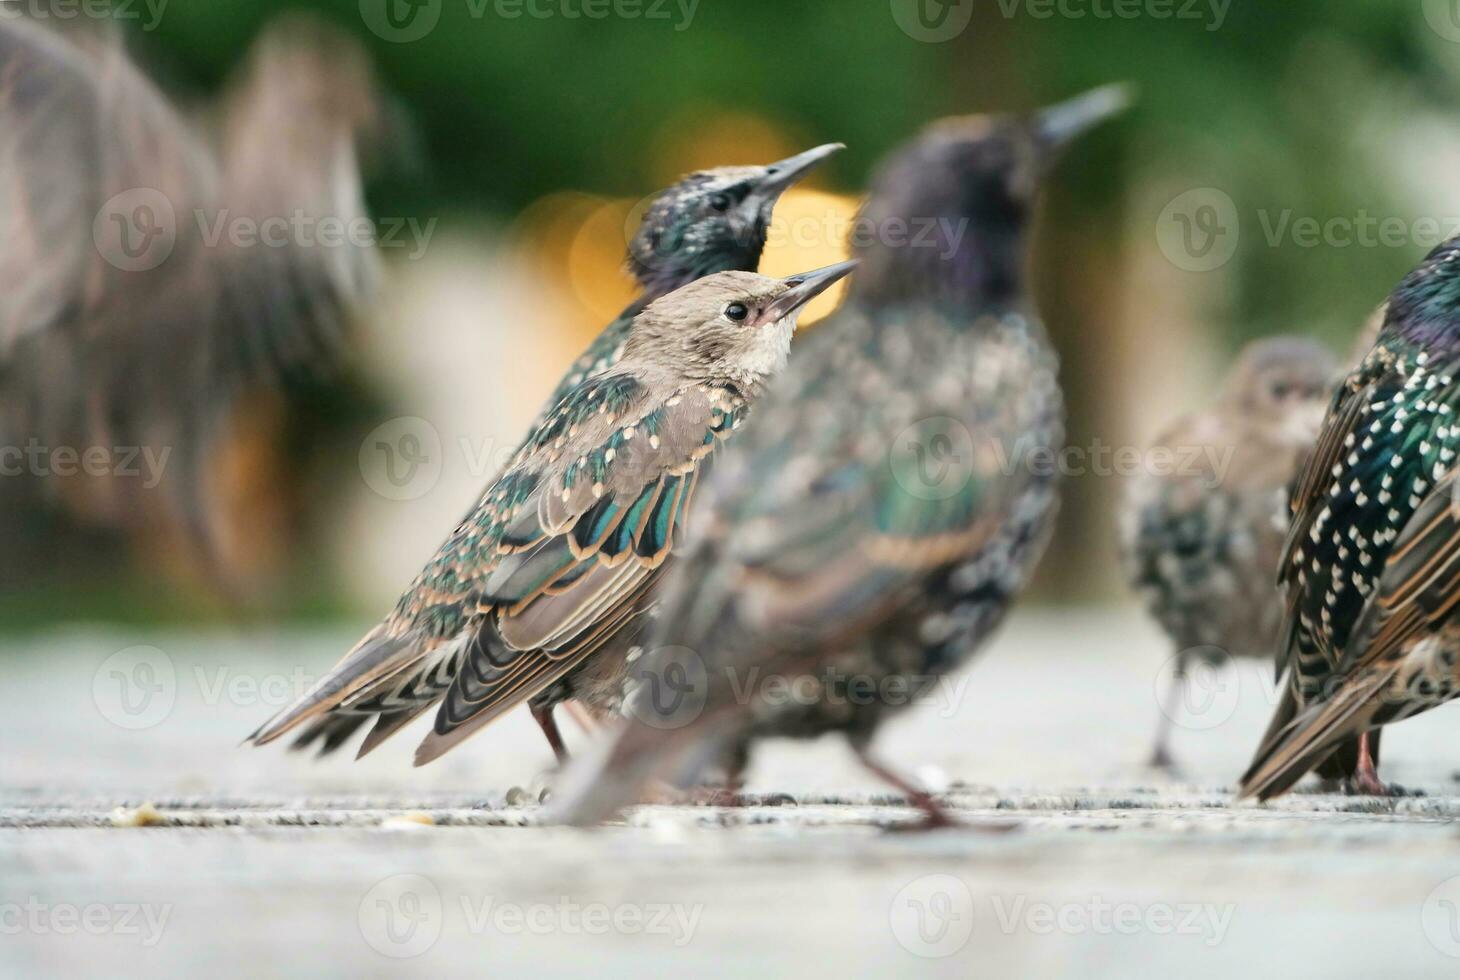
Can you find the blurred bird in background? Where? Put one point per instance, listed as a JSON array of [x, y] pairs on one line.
[[877, 517], [1370, 563], [163, 267], [541, 592], [1201, 537]]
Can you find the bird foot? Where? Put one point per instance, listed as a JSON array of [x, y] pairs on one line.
[[1373, 786], [1162, 760]]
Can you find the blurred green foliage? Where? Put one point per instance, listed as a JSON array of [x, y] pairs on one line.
[[1267, 100]]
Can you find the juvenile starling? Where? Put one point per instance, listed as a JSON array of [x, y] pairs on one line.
[[874, 522], [1371, 556], [711, 221], [538, 595], [1201, 537]]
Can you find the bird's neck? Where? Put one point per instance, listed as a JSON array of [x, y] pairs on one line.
[[957, 268], [675, 271]]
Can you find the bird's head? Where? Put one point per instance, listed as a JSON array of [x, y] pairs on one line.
[[713, 221], [729, 328], [1424, 309], [949, 211], [1284, 382]]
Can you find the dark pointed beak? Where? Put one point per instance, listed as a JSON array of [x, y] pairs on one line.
[[1059, 125], [804, 288], [781, 176]]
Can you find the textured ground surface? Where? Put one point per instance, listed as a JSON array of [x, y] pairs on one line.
[[1075, 859]]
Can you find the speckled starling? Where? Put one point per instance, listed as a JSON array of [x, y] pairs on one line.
[[711, 221], [539, 593], [873, 524], [1371, 555], [1201, 533]]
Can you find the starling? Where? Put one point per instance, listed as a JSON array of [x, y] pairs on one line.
[[1201, 537], [135, 316], [711, 221], [1370, 557], [873, 524], [537, 596]]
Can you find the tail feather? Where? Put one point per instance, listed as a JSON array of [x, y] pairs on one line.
[[331, 731], [618, 771], [387, 724], [373, 658], [1292, 749]]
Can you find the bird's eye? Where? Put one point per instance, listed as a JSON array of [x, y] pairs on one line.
[[737, 312], [720, 202]]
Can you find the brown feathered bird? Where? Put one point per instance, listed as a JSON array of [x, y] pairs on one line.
[[1201, 538], [541, 592], [159, 266], [1371, 565]]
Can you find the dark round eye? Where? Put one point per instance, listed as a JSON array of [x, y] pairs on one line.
[[737, 312], [720, 202]]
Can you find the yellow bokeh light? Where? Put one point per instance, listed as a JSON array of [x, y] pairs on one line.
[[810, 230]]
